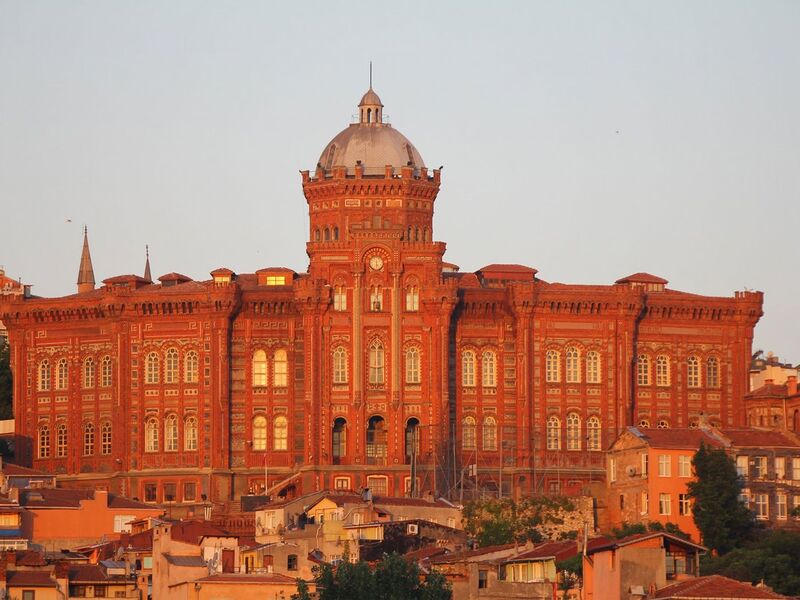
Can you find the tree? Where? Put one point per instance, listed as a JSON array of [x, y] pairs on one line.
[[6, 381], [302, 591], [723, 520], [502, 521]]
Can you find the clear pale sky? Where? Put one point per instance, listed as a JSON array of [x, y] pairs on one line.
[[590, 140]]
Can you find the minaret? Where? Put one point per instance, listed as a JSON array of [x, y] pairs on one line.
[[147, 275], [85, 272]]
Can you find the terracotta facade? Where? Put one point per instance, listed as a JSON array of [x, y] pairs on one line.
[[379, 360]]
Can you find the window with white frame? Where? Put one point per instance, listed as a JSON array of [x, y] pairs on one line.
[[684, 505], [592, 367], [643, 370], [664, 504], [151, 435], [759, 467], [340, 366], [61, 440], [44, 441], [43, 381], [171, 359], [376, 299], [191, 367], [645, 464], [693, 372], [664, 465], [552, 366], [489, 369], [412, 298], [259, 433], [573, 431], [553, 433], [88, 373], [796, 507], [684, 466], [490, 433], [593, 437], [339, 298], [62, 374], [796, 468], [573, 364], [468, 368], [88, 439], [468, 433], [378, 485], [712, 372], [106, 372], [280, 435], [280, 369], [376, 363], [644, 424], [780, 467], [781, 506], [412, 366], [662, 371], [761, 506], [662, 424], [171, 433], [645, 503], [259, 368], [741, 465], [105, 438], [151, 369], [612, 469], [341, 483], [190, 433]]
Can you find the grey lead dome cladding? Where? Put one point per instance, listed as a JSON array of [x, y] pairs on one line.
[[374, 144]]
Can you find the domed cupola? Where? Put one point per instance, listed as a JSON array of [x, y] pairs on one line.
[[371, 108]]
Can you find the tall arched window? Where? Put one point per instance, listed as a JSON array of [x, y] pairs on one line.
[[171, 366], [335, 233], [191, 367], [489, 369], [468, 433], [693, 372], [151, 369], [61, 440], [340, 365], [280, 433], [280, 369], [171, 433], [573, 431], [259, 368], [339, 440], [712, 372], [376, 363], [259, 432], [468, 368], [376, 299], [190, 433], [339, 298], [88, 373], [412, 439], [377, 438], [412, 366], [554, 433], [412, 298], [552, 367], [489, 433], [573, 356], [43, 381], [662, 371], [105, 439], [151, 435], [592, 367], [643, 370], [44, 441], [593, 440], [106, 372], [88, 439], [62, 374]]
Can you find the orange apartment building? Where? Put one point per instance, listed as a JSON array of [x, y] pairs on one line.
[[380, 364]]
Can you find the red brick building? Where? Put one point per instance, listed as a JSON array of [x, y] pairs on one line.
[[380, 355]]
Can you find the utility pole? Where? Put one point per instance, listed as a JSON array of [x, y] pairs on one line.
[[500, 482]]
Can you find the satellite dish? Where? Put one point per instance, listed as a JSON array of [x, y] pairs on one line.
[[630, 470]]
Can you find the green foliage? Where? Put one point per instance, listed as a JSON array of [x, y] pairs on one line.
[[502, 521], [302, 591], [773, 558], [724, 522], [668, 527], [628, 529], [394, 578], [6, 381], [573, 564]]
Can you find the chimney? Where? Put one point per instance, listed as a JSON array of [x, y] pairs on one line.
[[62, 570], [11, 558], [791, 385]]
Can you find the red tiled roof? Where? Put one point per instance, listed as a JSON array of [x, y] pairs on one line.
[[192, 532], [676, 438], [598, 544], [402, 501], [30, 558], [507, 268], [273, 578], [29, 579], [716, 587], [557, 550], [69, 498], [769, 390], [458, 556], [759, 438], [12, 469], [425, 552], [87, 574], [642, 278]]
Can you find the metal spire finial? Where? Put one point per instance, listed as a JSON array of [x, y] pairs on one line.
[[370, 74]]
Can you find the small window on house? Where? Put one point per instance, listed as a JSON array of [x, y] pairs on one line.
[[44, 441], [412, 299], [573, 431], [483, 579], [376, 363], [62, 374], [150, 492], [376, 299], [61, 440], [105, 439], [189, 491], [151, 435], [171, 433], [490, 433], [88, 439], [43, 382], [712, 372], [593, 434], [190, 434], [170, 492]]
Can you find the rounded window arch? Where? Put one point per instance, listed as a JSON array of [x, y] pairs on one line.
[[377, 440], [553, 433], [593, 434], [412, 366], [468, 433], [88, 439], [592, 366], [171, 433], [316, 235], [552, 367], [468, 368], [44, 441], [106, 372], [259, 433], [43, 381], [88, 373], [61, 440], [489, 369], [340, 365], [376, 363], [190, 433], [662, 370], [191, 367], [412, 439], [489, 433], [280, 433], [573, 363], [643, 370], [693, 372], [151, 368], [62, 374], [171, 366], [259, 369], [712, 372], [105, 438], [280, 368], [151, 435], [573, 431], [339, 440]]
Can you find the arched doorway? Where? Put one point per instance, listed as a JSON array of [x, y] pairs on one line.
[[377, 437], [339, 441], [412, 440]]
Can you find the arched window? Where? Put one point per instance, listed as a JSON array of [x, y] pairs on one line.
[[693, 372], [259, 432], [340, 365], [171, 366], [151, 435], [335, 233], [663, 424], [554, 433], [316, 235], [592, 367], [412, 439], [106, 372], [662, 371], [468, 368], [412, 298], [327, 235], [44, 441], [339, 440], [412, 366], [643, 370], [644, 424], [468, 433], [573, 365], [62, 374], [552, 368], [88, 439], [339, 298], [88, 373], [489, 433], [489, 369], [376, 299], [105, 439], [712, 372], [280, 369], [280, 433], [259, 368], [593, 441], [191, 367], [190, 433], [151, 368], [43, 381], [376, 368], [573, 431], [377, 437], [61, 440], [171, 433]]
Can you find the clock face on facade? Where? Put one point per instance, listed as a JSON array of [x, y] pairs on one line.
[[376, 263]]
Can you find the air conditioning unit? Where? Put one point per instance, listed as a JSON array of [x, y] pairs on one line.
[[630, 470], [412, 529]]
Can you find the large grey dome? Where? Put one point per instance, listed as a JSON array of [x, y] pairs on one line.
[[371, 141]]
